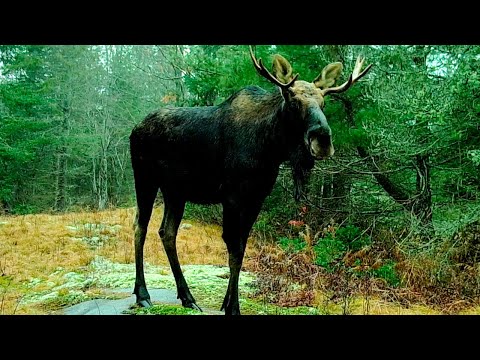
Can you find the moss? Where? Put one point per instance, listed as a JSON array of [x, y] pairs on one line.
[[163, 309]]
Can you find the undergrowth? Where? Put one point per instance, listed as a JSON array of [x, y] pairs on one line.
[[339, 263]]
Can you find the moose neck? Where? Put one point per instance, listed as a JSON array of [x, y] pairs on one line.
[[263, 123], [284, 133], [275, 126]]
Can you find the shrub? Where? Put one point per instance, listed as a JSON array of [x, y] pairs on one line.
[[328, 251], [388, 273], [292, 245], [333, 247]]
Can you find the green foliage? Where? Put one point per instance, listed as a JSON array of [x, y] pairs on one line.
[[328, 252], [218, 72], [475, 156], [333, 247], [24, 209], [388, 273], [25, 131], [277, 209], [263, 227], [353, 237], [358, 137], [292, 245]]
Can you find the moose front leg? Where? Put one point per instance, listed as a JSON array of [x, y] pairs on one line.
[[236, 228], [230, 302]]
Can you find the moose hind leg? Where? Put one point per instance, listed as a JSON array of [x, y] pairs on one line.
[[173, 213], [145, 199]]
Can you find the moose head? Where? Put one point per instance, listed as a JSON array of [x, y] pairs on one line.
[[303, 106], [305, 100]]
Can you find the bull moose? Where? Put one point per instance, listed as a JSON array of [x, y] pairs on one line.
[[229, 154]]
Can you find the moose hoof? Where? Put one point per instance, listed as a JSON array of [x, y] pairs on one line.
[[144, 303], [193, 306]]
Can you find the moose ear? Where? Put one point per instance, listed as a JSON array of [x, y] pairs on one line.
[[282, 69], [329, 75]]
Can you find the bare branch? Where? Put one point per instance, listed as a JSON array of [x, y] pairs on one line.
[[157, 76]]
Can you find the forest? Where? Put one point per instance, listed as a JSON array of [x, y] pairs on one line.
[[396, 208]]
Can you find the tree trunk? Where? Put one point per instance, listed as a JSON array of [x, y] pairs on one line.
[[422, 205], [419, 204], [60, 198], [103, 189], [336, 195], [61, 166]]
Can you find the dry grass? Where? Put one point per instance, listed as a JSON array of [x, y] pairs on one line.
[[34, 246]]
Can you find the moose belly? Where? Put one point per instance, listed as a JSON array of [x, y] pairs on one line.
[[201, 187], [210, 193]]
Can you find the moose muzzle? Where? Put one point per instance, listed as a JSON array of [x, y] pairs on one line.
[[319, 142]]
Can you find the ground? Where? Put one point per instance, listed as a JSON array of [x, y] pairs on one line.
[[83, 263]]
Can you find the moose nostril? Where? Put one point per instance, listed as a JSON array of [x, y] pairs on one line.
[[324, 140]]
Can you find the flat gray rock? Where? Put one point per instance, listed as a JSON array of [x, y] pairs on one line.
[[116, 307]]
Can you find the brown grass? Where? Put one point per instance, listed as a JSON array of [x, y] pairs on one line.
[[34, 246]]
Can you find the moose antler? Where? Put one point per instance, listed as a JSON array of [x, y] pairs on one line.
[[267, 75], [354, 77]]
